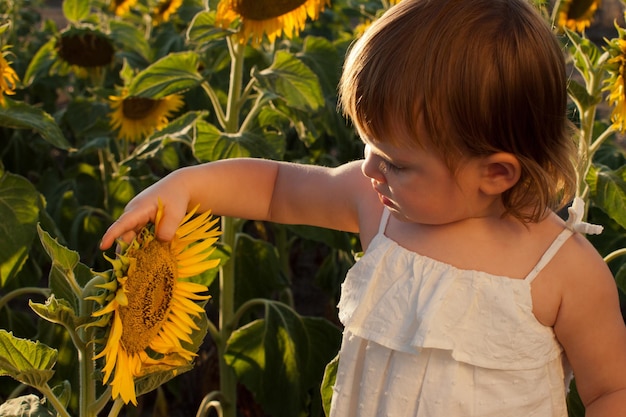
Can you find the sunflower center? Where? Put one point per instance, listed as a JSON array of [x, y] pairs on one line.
[[164, 6], [264, 10], [578, 8], [85, 49], [150, 289], [137, 108]]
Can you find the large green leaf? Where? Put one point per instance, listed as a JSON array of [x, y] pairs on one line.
[[258, 272], [19, 115], [20, 204], [175, 73], [26, 361], [211, 144], [289, 78], [608, 190], [282, 357]]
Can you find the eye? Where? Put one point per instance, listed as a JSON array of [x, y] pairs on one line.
[[387, 167]]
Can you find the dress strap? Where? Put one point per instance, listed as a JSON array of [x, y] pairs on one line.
[[383, 221], [549, 254], [573, 224]]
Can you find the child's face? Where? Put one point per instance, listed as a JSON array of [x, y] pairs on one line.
[[417, 185]]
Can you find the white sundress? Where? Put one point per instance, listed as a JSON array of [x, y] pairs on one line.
[[425, 339]]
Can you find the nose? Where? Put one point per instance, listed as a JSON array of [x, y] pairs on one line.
[[371, 166]]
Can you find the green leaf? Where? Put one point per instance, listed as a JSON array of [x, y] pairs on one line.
[[211, 144], [258, 272], [41, 62], [175, 73], [25, 406], [20, 205], [75, 10], [289, 78], [26, 361], [67, 274], [56, 311], [19, 115], [203, 30], [328, 382], [177, 129], [279, 357], [608, 189], [579, 94], [62, 257], [575, 406], [131, 38]]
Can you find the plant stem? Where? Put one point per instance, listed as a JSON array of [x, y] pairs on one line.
[[228, 381], [60, 409], [116, 407], [21, 291]]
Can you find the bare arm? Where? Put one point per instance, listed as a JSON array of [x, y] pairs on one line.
[[591, 328], [253, 189]]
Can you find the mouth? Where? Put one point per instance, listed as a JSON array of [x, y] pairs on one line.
[[385, 200]]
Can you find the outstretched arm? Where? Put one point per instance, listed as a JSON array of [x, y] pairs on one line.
[[253, 189]]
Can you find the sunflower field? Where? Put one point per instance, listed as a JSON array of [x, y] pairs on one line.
[[233, 317]]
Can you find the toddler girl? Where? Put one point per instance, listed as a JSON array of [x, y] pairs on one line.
[[472, 297]]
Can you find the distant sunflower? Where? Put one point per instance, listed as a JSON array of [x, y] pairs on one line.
[[121, 7], [577, 15], [269, 17], [8, 78], [85, 48], [164, 10], [138, 117], [616, 66], [151, 305]]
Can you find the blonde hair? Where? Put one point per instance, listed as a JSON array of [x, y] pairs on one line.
[[486, 76]]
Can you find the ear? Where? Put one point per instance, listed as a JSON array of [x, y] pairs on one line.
[[500, 172]]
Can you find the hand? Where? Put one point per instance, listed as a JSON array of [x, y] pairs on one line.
[[143, 209]]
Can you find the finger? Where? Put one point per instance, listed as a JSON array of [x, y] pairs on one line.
[[126, 227], [172, 216]]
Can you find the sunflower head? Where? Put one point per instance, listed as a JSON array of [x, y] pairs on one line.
[[138, 117], [150, 309], [164, 10], [614, 84], [85, 48], [576, 15], [8, 77], [121, 7], [267, 17]]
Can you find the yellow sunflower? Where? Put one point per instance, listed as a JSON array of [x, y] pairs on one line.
[[269, 17], [614, 84], [138, 117], [577, 15], [164, 10], [150, 303], [8, 78], [121, 7]]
